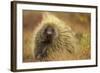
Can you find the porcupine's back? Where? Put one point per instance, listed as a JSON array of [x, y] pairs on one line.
[[55, 40]]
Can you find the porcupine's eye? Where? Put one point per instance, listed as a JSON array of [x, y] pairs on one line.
[[49, 34]]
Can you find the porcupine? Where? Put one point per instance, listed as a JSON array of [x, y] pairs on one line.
[[54, 40]]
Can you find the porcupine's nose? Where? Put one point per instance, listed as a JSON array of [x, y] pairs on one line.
[[49, 34]]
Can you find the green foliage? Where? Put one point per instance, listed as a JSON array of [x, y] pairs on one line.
[[84, 39]]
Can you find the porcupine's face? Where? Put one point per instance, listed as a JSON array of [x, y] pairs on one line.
[[44, 39]]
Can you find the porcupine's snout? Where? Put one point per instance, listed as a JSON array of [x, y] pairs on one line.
[[49, 34]]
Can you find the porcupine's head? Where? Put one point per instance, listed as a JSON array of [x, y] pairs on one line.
[[48, 34], [53, 37]]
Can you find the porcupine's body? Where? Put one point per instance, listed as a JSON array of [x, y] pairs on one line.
[[54, 40]]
